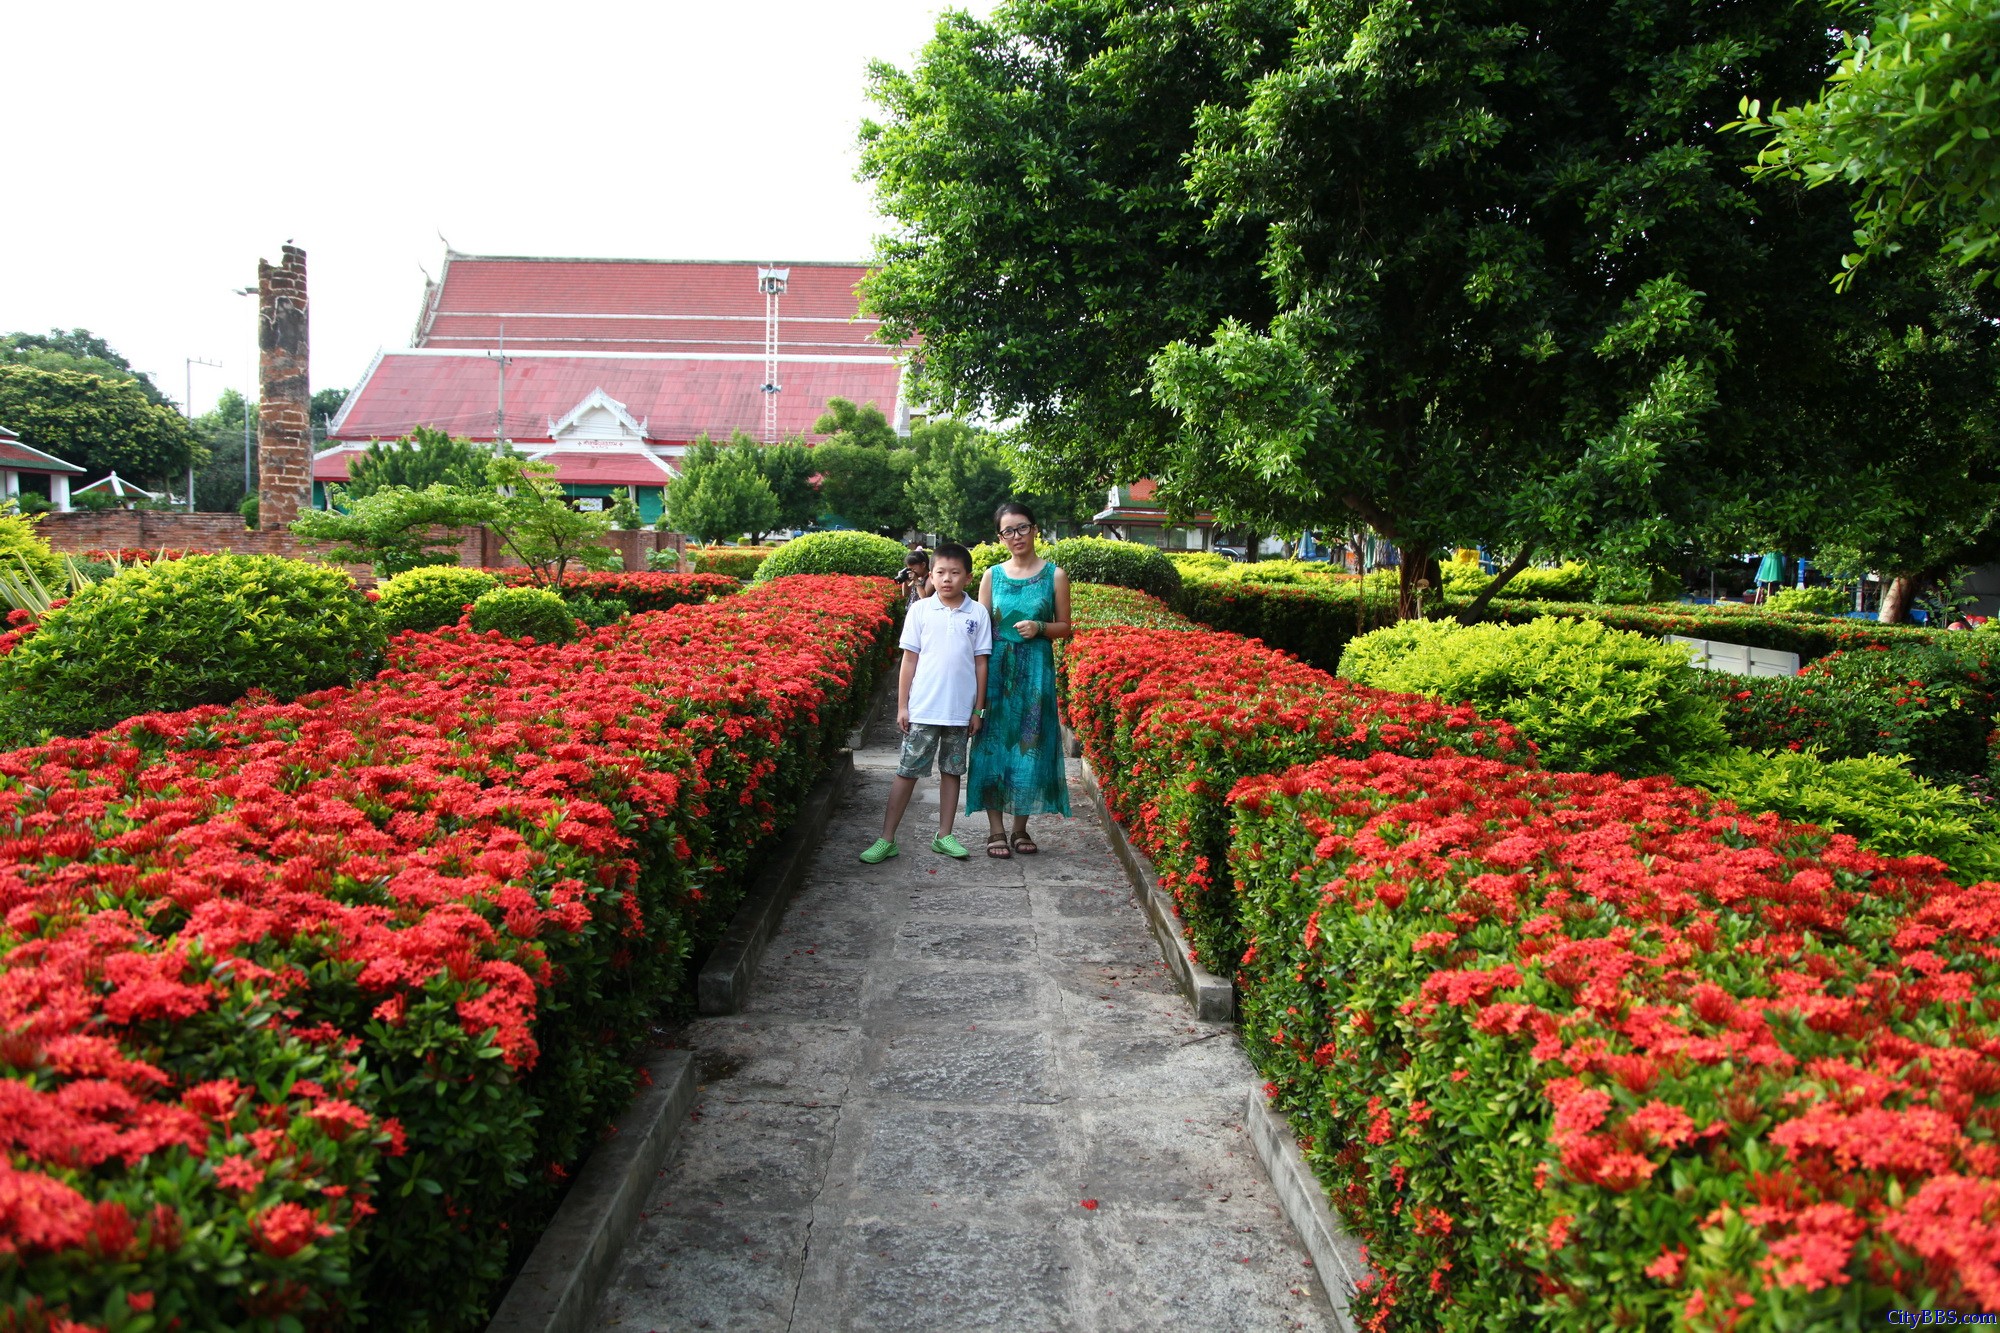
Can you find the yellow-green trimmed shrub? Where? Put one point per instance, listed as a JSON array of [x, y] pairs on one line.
[[430, 596], [534, 613], [835, 553]]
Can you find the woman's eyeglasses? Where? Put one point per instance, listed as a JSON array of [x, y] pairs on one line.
[[1019, 530]]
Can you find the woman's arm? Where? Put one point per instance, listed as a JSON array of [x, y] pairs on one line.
[[986, 592], [1060, 627]]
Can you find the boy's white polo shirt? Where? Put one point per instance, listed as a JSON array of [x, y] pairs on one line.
[[947, 641]]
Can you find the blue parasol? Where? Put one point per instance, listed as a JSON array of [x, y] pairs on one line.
[[1771, 568]]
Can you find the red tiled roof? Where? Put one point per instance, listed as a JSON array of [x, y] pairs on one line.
[[607, 469], [634, 305], [17, 456], [677, 399]]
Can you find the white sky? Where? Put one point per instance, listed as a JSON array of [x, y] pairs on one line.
[[158, 151]]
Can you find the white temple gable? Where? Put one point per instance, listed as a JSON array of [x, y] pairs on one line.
[[599, 418]]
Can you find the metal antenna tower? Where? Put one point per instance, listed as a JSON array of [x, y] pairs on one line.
[[771, 282]]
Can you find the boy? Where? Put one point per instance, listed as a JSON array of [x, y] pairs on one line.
[[947, 638]]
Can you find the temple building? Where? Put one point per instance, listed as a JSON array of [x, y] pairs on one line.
[[610, 368]]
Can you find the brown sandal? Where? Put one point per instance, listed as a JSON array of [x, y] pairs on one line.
[[1025, 845], [999, 849]]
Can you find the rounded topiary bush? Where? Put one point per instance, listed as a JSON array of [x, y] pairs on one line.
[[1121, 564], [1591, 698], [534, 613], [835, 553], [177, 633], [430, 596]]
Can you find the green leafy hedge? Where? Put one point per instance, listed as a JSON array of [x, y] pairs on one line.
[[1592, 699], [174, 634], [835, 553], [988, 554], [736, 562], [1312, 618], [534, 613], [1121, 564], [1874, 799], [1933, 704], [1781, 631], [430, 596], [1576, 1052]]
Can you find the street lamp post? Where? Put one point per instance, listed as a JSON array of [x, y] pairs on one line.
[[188, 408], [249, 458]]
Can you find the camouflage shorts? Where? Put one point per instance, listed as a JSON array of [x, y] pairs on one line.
[[925, 740]]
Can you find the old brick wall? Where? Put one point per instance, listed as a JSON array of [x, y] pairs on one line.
[[284, 411]]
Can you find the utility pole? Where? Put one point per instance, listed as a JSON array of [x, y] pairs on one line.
[[187, 407], [500, 408], [249, 449]]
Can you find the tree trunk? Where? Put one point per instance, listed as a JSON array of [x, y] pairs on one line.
[[1470, 614], [1896, 599], [1416, 566]]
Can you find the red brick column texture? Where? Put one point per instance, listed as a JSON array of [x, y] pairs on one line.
[[284, 409]]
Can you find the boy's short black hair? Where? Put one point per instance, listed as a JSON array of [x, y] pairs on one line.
[[953, 551], [917, 557]]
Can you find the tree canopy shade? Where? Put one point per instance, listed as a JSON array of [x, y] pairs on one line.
[[959, 479], [101, 424], [1909, 118], [1480, 272]]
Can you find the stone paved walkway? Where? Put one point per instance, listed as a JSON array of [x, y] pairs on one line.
[[939, 1064]]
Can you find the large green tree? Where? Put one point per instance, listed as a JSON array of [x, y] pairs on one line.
[[863, 468], [99, 423], [1911, 119], [223, 480], [1480, 272], [721, 493], [76, 349], [788, 469], [423, 458], [961, 475]]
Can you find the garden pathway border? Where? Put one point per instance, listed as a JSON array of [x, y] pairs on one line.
[[559, 1287], [1212, 998], [727, 975]]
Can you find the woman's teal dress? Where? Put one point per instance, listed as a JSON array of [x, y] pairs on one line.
[[1017, 761]]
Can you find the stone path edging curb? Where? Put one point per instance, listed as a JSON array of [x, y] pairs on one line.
[[1336, 1255], [1212, 998], [559, 1287], [725, 978]]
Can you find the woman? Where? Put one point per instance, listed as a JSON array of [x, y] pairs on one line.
[[1016, 766]]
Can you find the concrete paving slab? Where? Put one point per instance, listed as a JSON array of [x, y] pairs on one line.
[[939, 1066]]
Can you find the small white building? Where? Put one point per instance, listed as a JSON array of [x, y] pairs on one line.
[[28, 471]]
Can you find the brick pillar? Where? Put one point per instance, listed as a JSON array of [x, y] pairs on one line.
[[284, 408]]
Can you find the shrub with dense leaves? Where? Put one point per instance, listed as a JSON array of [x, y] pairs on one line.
[[1590, 698], [835, 553], [639, 590], [1171, 719], [341, 988], [1781, 631], [534, 613], [736, 562], [1568, 582], [21, 547], [1308, 610], [430, 596], [1812, 601], [1933, 704], [1576, 1051], [1121, 564], [1873, 798], [175, 634], [1100, 606]]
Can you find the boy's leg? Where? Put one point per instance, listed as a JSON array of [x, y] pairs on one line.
[[947, 802], [900, 791]]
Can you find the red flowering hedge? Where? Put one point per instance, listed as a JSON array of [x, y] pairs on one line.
[[639, 590], [1585, 1052], [307, 1007], [1171, 719]]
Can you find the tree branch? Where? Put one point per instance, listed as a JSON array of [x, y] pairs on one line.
[[1467, 615]]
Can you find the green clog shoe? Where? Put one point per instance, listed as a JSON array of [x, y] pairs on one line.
[[950, 846], [881, 851]]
